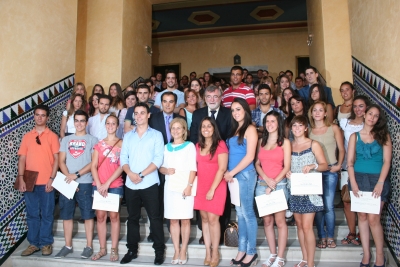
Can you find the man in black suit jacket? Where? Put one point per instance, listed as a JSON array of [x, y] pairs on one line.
[[222, 117], [158, 122]]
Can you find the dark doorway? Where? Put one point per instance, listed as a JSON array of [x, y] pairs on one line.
[[163, 68], [302, 63]]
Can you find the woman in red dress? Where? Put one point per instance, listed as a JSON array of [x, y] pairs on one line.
[[212, 162]]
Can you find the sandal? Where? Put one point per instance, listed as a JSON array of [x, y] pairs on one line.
[[331, 243], [279, 262], [351, 238], [99, 254], [321, 243], [268, 262], [300, 264], [114, 254]]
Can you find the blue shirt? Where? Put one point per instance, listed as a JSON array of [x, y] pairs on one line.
[[257, 118], [139, 152], [180, 97], [305, 93], [237, 153]]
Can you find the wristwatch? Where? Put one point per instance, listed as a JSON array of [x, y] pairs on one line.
[[141, 175], [51, 178], [190, 184], [77, 174]]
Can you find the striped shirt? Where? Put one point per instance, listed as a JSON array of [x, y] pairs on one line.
[[243, 91]]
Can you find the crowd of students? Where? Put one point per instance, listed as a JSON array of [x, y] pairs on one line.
[[168, 138]]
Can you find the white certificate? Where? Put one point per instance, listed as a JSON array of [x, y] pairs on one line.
[[178, 182], [272, 203], [306, 184], [344, 177], [235, 192], [366, 203], [68, 190], [109, 203]]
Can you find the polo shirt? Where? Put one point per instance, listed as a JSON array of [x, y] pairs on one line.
[[243, 91], [40, 158]]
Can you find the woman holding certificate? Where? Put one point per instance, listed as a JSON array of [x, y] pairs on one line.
[[368, 163], [330, 137], [242, 144], [107, 176], [307, 156], [212, 160], [179, 168], [273, 162]]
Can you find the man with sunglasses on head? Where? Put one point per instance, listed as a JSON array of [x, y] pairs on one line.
[[39, 152]]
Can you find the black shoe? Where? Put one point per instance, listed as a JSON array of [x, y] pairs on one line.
[[201, 240], [159, 258], [253, 262], [129, 256], [150, 238]]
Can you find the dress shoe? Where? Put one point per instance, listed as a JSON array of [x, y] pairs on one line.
[[159, 258], [150, 238], [201, 240], [129, 256]]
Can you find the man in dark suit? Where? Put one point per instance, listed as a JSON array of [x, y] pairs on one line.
[[222, 116], [160, 121]]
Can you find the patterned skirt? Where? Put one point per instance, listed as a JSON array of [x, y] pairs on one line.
[[306, 204]]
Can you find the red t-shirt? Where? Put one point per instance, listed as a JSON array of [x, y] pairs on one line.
[[243, 91]]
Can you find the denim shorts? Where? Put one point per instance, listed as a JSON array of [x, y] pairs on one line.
[[117, 190], [84, 199], [282, 185], [366, 182]]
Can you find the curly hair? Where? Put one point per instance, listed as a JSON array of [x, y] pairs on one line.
[[380, 130]]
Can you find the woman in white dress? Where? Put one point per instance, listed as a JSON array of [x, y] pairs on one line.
[[179, 163]]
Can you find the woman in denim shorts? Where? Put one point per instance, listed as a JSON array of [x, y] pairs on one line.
[[273, 162], [107, 176], [368, 163]]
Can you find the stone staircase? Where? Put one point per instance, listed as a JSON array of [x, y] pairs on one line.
[[347, 256]]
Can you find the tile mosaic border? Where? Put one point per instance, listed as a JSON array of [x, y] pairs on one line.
[[382, 92], [16, 109]]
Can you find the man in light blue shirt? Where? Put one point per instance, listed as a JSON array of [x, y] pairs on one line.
[[171, 80], [141, 155]]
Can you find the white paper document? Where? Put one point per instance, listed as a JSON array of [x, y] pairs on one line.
[[178, 182], [109, 203], [235, 192], [68, 190], [272, 203], [344, 176], [306, 184], [366, 203]]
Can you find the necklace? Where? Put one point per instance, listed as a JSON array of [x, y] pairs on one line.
[[347, 106]]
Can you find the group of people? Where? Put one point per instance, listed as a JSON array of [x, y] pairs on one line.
[[180, 147]]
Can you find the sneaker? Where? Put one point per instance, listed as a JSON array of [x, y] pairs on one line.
[[47, 250], [86, 253], [30, 250], [63, 252]]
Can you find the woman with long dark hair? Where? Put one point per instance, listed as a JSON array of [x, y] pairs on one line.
[[286, 95], [67, 126], [368, 161], [94, 104], [212, 162], [297, 107], [343, 111], [242, 144], [272, 164], [317, 93], [349, 126], [117, 99]]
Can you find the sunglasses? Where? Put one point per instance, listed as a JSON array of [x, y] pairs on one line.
[[38, 140]]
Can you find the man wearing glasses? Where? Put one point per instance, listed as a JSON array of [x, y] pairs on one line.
[[238, 89], [222, 117], [39, 152]]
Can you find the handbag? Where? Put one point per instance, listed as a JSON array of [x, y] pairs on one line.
[[345, 194], [30, 178], [231, 235]]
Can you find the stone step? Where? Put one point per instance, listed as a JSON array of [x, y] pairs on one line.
[[195, 251], [341, 229]]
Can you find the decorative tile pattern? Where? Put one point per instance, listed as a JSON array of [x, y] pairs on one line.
[[385, 94], [16, 120]]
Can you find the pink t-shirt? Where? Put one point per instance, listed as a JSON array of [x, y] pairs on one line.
[[271, 161], [110, 164]]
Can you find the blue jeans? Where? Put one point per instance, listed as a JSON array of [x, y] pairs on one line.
[[247, 221], [327, 216], [39, 216]]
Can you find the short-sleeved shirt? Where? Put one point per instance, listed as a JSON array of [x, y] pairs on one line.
[[70, 127], [97, 127], [108, 165], [40, 158], [78, 150], [243, 91], [257, 116], [180, 97]]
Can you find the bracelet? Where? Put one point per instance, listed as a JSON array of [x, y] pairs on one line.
[[316, 166], [190, 184], [51, 178], [380, 182]]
